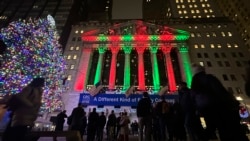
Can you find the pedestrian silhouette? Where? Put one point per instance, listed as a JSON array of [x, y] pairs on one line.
[[144, 114], [24, 116], [60, 119], [219, 108]]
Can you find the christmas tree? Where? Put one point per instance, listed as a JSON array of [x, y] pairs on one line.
[[33, 51]]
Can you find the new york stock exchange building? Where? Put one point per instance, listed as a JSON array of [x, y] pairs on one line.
[[110, 65]]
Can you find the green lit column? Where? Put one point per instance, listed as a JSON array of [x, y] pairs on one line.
[[156, 78], [127, 50], [185, 64], [98, 73]]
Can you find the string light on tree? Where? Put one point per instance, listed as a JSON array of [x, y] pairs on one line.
[[33, 51]]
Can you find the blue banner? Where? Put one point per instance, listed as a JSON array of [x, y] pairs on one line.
[[119, 99]]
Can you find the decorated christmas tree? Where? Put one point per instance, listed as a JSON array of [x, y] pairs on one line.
[[33, 51]]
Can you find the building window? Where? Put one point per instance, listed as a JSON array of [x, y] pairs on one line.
[[72, 67], [207, 34], [214, 34], [223, 34], [220, 64], [219, 45], [209, 64], [74, 39], [212, 45], [229, 34], [201, 63], [216, 55], [230, 90], [225, 78], [69, 77], [238, 90], [205, 55], [238, 64], [233, 78], [223, 55], [199, 55], [75, 56], [79, 39], [77, 48], [202, 46], [227, 64], [241, 54], [196, 46], [69, 57], [228, 45], [76, 31], [233, 54], [71, 48], [198, 34], [235, 45]]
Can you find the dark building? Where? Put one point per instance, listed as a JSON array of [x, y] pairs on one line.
[[65, 13]]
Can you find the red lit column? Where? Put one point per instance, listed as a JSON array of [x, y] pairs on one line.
[[141, 73], [112, 74], [169, 67], [82, 75]]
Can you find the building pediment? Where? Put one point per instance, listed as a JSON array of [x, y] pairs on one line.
[[135, 30]]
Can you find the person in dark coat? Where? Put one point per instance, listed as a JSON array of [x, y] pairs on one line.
[[60, 119], [179, 131], [118, 127], [111, 124], [219, 108], [162, 111], [100, 126], [77, 119], [92, 125], [144, 114]]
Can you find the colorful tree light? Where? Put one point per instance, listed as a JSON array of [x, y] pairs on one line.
[[33, 51]]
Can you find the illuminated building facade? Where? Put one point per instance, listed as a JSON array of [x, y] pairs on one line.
[[136, 53]]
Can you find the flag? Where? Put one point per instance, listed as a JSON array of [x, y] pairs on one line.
[[95, 89], [129, 91], [163, 90]]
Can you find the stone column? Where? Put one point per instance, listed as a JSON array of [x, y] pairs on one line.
[[185, 64], [127, 50], [112, 74], [155, 69], [141, 73], [98, 72], [82, 72], [169, 68]]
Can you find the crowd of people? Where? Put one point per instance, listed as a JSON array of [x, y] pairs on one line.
[[160, 121], [117, 127]]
